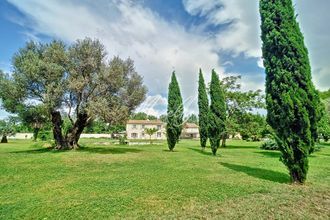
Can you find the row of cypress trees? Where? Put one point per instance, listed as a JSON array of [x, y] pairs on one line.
[[211, 118], [293, 105]]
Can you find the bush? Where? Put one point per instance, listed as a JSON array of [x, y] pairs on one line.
[[122, 140], [45, 135], [269, 145]]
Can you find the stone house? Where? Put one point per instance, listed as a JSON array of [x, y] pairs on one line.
[[135, 129], [190, 131]]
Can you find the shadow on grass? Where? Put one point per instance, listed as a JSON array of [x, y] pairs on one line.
[[199, 150], [327, 144], [260, 173], [273, 154], [39, 150], [239, 147], [106, 150], [99, 150], [173, 151]]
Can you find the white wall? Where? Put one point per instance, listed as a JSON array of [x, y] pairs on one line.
[[21, 136], [30, 136]]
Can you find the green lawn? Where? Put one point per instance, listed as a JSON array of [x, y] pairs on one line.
[[103, 180]]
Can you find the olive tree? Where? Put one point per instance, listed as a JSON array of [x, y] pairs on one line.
[[75, 81]]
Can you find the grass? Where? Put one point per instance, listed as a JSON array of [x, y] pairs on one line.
[[103, 180]]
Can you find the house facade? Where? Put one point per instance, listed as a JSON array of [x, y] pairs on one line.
[[190, 131], [135, 129]]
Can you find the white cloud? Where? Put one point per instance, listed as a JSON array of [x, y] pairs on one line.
[[243, 33], [157, 46], [316, 30], [153, 105]]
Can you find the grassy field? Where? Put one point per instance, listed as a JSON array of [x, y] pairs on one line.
[[103, 180]]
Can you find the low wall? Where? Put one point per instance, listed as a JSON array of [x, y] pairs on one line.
[[27, 136], [95, 135], [21, 136]]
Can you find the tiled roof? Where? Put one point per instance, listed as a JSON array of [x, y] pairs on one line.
[[190, 125], [145, 122]]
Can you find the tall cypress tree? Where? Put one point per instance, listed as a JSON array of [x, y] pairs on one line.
[[292, 101], [203, 106], [174, 113], [217, 113]]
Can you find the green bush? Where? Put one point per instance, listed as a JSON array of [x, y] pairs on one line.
[[270, 145], [122, 140], [45, 135]]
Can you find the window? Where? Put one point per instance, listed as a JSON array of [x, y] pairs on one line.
[[143, 135], [142, 126], [159, 134], [134, 126], [159, 127], [134, 135]]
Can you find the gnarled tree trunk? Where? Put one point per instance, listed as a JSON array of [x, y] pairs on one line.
[[57, 130], [73, 135], [4, 139], [70, 140]]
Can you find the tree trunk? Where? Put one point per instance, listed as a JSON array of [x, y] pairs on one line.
[[4, 139], [296, 178], [224, 138], [35, 133], [214, 152], [73, 136], [57, 130]]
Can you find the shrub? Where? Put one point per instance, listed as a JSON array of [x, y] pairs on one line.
[[122, 140], [269, 145]]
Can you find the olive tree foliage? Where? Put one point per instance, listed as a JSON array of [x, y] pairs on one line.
[[6, 129], [324, 125], [34, 117], [74, 81], [239, 105]]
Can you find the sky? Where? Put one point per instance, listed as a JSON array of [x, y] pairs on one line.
[[166, 36]]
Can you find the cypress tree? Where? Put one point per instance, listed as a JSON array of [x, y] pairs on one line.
[[292, 101], [203, 107], [174, 113], [217, 113]]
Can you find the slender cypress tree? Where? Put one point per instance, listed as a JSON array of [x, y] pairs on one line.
[[292, 101], [203, 106], [174, 113], [217, 113]]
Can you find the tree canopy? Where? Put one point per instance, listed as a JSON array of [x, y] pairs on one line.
[[292, 101], [217, 113], [74, 81], [239, 106], [174, 113], [203, 109]]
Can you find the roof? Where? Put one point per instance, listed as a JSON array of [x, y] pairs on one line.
[[145, 122], [190, 125]]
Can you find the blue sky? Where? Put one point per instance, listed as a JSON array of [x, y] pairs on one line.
[[162, 36]]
